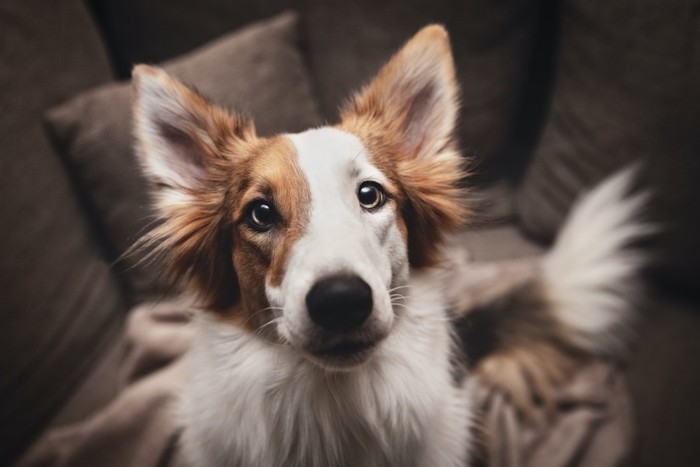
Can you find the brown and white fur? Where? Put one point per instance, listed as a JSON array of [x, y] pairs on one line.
[[269, 385]]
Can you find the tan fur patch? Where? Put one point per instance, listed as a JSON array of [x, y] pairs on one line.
[[204, 237], [271, 173], [210, 243]]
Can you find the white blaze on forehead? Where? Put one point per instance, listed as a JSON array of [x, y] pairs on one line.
[[334, 163], [339, 235], [328, 156]]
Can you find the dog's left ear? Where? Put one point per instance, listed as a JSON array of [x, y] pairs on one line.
[[408, 114]]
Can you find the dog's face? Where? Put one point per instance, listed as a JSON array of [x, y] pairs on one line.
[[307, 239]]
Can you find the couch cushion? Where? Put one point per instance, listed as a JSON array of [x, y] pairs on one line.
[[500, 242], [158, 30], [59, 302], [627, 90], [257, 70], [347, 42], [99, 387], [664, 381]]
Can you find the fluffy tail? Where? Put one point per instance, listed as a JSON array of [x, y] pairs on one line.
[[591, 276], [580, 304]]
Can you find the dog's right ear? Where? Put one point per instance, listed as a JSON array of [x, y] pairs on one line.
[[185, 145], [408, 113]]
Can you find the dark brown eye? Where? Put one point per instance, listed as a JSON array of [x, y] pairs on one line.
[[371, 195], [261, 215]]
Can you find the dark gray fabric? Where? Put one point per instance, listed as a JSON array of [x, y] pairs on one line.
[[497, 242], [628, 89], [257, 71], [664, 381], [347, 42], [59, 302], [98, 388], [158, 30]]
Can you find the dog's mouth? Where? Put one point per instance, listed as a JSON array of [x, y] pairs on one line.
[[344, 354]]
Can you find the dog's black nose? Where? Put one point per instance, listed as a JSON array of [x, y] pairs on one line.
[[340, 303]]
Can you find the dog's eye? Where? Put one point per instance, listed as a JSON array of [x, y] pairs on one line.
[[371, 195], [261, 215]]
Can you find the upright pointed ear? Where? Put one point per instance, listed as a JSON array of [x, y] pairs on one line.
[[184, 144], [415, 95], [406, 117], [180, 135]]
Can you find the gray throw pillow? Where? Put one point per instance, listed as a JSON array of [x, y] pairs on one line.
[[627, 90], [257, 70], [348, 41]]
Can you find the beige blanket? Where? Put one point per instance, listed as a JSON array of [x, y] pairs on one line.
[[590, 426]]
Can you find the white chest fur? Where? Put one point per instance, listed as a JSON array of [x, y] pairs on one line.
[[250, 403]]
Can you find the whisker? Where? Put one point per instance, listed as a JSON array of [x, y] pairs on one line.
[[262, 310], [272, 321]]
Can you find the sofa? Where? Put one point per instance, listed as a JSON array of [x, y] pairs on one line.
[[556, 94]]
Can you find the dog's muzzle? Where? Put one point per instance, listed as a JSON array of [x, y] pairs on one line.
[[341, 308]]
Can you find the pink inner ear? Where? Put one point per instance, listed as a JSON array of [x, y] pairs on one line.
[[418, 118], [187, 153]]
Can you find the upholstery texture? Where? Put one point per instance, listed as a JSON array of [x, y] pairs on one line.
[[158, 30], [346, 43], [664, 377], [59, 302], [490, 40]]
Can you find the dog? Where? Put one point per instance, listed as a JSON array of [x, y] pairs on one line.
[[326, 336]]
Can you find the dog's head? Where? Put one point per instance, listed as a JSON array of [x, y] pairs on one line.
[[308, 238]]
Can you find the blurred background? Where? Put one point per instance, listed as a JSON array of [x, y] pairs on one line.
[[556, 94]]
